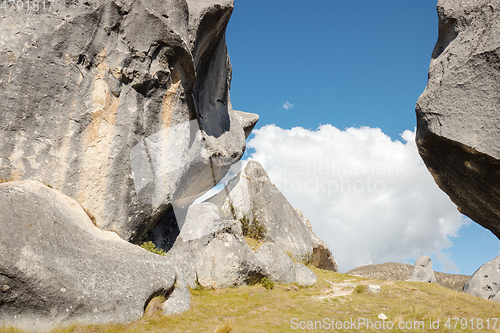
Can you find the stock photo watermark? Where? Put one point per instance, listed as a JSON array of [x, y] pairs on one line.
[[331, 324], [329, 187], [331, 176]]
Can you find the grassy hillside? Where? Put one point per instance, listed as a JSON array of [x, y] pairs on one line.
[[336, 296], [400, 272]]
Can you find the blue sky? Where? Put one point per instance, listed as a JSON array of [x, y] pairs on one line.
[[344, 63]]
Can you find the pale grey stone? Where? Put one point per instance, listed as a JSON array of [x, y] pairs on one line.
[[227, 262], [277, 265], [202, 224], [178, 302], [57, 268], [458, 123], [422, 272], [304, 276], [374, 288], [485, 282]]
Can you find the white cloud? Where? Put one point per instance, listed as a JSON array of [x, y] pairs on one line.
[[288, 105], [369, 198]]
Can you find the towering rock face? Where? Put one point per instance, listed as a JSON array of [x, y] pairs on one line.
[[122, 105], [458, 118]]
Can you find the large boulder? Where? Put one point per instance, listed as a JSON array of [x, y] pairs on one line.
[[227, 262], [122, 105], [422, 272], [57, 268], [458, 123], [252, 197], [485, 282], [277, 265]]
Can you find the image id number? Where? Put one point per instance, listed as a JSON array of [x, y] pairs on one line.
[[27, 5]]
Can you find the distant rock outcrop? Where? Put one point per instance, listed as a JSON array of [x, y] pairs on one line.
[[57, 268], [458, 118], [422, 272], [402, 272], [485, 282], [122, 105]]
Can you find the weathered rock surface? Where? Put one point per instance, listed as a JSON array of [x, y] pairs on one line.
[[57, 268], [179, 301], [228, 261], [485, 282], [122, 105], [184, 246], [458, 123], [277, 265], [304, 276], [322, 257], [423, 270], [252, 195]]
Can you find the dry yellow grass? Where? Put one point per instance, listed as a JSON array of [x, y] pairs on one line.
[[255, 309]]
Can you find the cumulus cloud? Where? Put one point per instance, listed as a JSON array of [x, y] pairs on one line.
[[288, 105], [371, 199]]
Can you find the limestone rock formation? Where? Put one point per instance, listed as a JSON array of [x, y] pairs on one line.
[[206, 241], [251, 195], [485, 282], [458, 123], [211, 251], [122, 105], [423, 271], [57, 268]]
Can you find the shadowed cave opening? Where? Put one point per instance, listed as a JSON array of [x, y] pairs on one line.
[[165, 232]]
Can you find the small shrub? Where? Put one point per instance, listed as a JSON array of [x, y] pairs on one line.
[[307, 259], [253, 230], [267, 283], [232, 209], [360, 289], [151, 247]]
